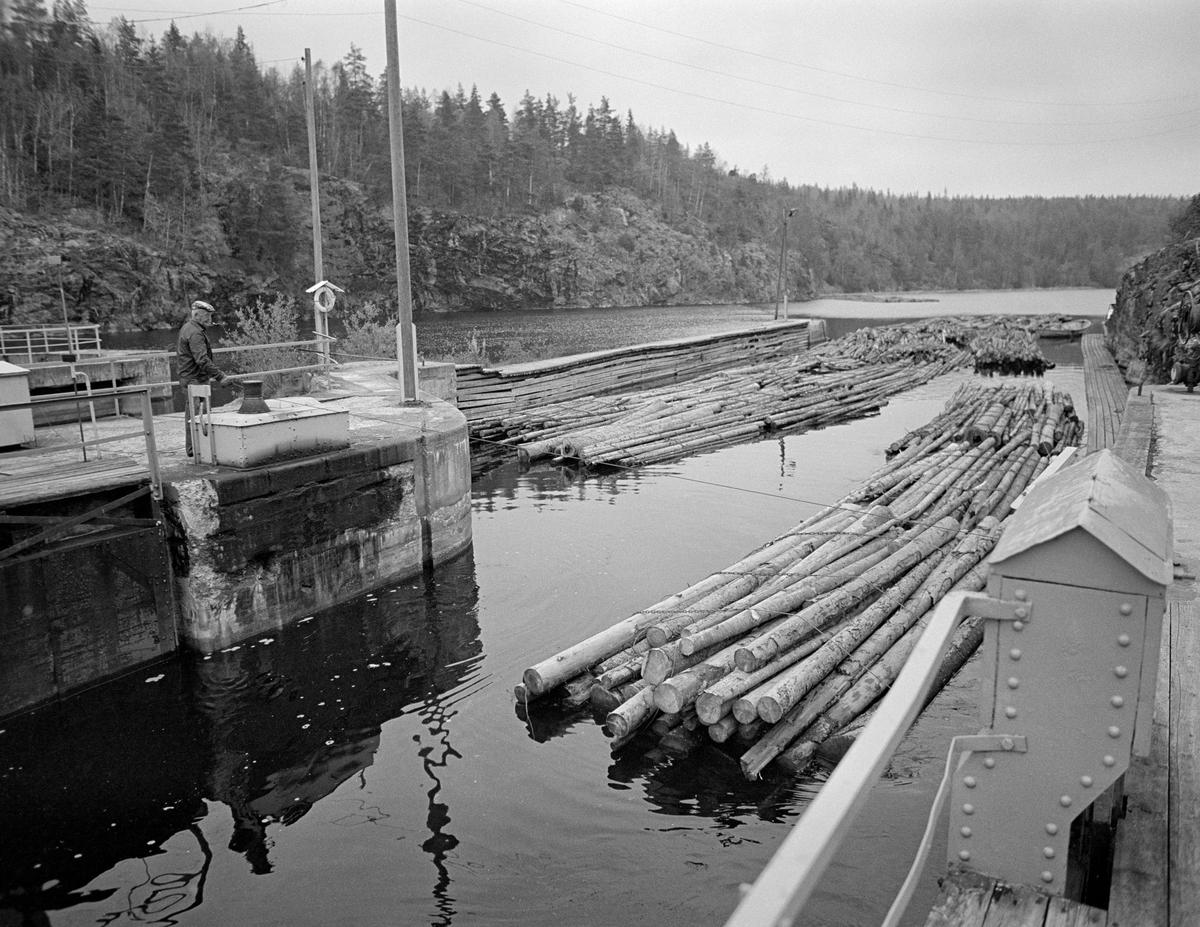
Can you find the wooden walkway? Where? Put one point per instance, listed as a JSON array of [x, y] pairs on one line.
[[30, 480], [1106, 393]]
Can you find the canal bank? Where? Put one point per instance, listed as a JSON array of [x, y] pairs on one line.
[[221, 554]]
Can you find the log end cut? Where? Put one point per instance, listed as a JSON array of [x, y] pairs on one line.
[[668, 699]]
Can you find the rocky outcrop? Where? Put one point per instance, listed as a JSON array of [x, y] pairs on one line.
[[1157, 303], [606, 249]]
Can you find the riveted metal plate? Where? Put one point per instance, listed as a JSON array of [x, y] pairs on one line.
[[990, 743], [1011, 812]]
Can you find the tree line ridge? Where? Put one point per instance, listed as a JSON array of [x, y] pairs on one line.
[[195, 157]]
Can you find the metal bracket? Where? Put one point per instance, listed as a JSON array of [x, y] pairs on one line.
[[991, 743], [982, 606]]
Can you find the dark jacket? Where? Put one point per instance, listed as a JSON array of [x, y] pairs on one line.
[[195, 355]]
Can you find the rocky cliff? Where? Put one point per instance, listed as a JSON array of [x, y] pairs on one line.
[[1157, 302], [595, 250]]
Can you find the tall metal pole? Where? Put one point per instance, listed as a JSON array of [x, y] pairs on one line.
[[406, 336], [314, 187]]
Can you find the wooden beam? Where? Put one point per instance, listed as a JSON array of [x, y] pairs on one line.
[[65, 527], [1184, 775]]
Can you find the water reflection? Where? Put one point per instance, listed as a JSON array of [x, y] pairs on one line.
[[106, 787], [708, 783]]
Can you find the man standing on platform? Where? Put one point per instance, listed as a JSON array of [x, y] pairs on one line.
[[196, 361]]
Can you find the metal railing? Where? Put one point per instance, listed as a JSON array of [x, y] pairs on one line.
[[112, 360], [146, 431], [32, 341]]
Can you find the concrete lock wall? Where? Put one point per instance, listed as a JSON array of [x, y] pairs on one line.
[[252, 551]]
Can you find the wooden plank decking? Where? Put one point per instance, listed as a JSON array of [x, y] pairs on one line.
[[1106, 393], [28, 480]]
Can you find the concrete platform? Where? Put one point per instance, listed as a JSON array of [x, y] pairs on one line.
[[253, 549]]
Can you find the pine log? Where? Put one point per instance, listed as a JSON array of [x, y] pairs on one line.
[[872, 685], [952, 570], [569, 663], [718, 699], [722, 729], [771, 704], [767, 646], [632, 714], [828, 578]]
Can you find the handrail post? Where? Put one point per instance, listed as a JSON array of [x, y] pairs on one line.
[[151, 443]]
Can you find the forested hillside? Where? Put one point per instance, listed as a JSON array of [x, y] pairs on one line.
[[196, 158]]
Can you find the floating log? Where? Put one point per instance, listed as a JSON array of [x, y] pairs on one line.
[[873, 684], [767, 646]]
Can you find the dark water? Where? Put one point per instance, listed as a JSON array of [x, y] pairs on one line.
[[369, 766]]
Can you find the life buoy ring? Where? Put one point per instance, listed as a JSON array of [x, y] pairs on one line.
[[325, 299]]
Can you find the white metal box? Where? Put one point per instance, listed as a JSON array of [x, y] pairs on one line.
[[294, 427], [16, 425]]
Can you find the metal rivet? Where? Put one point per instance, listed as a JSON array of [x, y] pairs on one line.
[[1085, 781], [1121, 672], [1018, 625], [964, 855], [1048, 852], [1047, 876], [1110, 761], [1117, 701], [1006, 743], [969, 782], [1014, 654], [968, 808], [1066, 801], [1019, 594], [990, 762], [966, 831], [1126, 608], [1123, 640], [1010, 712], [1114, 731], [1022, 612], [1051, 828], [1013, 682]]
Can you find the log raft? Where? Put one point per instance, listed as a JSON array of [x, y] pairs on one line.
[[703, 408], [782, 650]]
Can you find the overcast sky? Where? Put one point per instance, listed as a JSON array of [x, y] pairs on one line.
[[974, 97]]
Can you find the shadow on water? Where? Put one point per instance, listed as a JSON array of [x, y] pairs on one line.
[[268, 729]]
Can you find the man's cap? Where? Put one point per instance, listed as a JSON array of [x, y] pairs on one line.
[[201, 304]]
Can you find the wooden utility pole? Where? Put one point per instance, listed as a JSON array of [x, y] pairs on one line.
[[314, 188], [406, 334], [781, 291]]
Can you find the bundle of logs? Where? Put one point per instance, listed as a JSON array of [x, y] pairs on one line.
[[787, 647], [1008, 351], [848, 378]]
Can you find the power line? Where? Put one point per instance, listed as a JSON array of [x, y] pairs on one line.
[[251, 10], [884, 83], [810, 93], [812, 119]]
